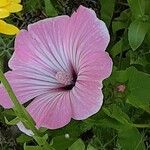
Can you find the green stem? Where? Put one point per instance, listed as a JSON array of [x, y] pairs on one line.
[[18, 108], [141, 125]]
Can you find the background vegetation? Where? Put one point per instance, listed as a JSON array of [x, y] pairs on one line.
[[124, 121]]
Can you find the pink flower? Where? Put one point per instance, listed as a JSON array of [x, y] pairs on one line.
[[60, 63], [121, 88]]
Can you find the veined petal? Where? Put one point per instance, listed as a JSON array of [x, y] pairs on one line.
[[94, 66], [86, 33], [6, 28], [51, 110], [71, 45], [86, 99], [4, 13], [25, 89], [43, 44], [50, 35]]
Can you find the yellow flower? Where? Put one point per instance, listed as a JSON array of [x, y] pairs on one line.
[[6, 8], [8, 29]]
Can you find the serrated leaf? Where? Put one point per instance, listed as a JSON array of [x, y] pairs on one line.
[[136, 33], [78, 145]]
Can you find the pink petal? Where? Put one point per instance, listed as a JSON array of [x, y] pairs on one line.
[[85, 32], [86, 99], [54, 42], [94, 66], [60, 44], [25, 88], [51, 110], [50, 35], [4, 98], [42, 45]]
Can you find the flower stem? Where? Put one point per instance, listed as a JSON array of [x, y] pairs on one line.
[[18, 108], [141, 125]]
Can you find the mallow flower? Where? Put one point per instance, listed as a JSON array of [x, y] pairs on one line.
[[58, 67]]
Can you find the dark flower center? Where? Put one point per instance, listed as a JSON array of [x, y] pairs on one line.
[[66, 79], [72, 84]]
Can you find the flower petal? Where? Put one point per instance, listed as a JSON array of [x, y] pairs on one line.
[[29, 61], [16, 1], [4, 13], [43, 43], [12, 8], [94, 66], [51, 110], [4, 3], [4, 98], [86, 99], [24, 88], [88, 30], [50, 34], [8, 28], [85, 33]]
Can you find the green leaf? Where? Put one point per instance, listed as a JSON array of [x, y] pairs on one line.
[[139, 59], [60, 142], [122, 21], [115, 112], [12, 122], [23, 138], [78, 145], [137, 7], [41, 140], [49, 9], [32, 148], [31, 6], [90, 147], [107, 8], [136, 33], [2, 60], [120, 46], [117, 48], [129, 138], [147, 4], [45, 147], [139, 86], [117, 25]]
